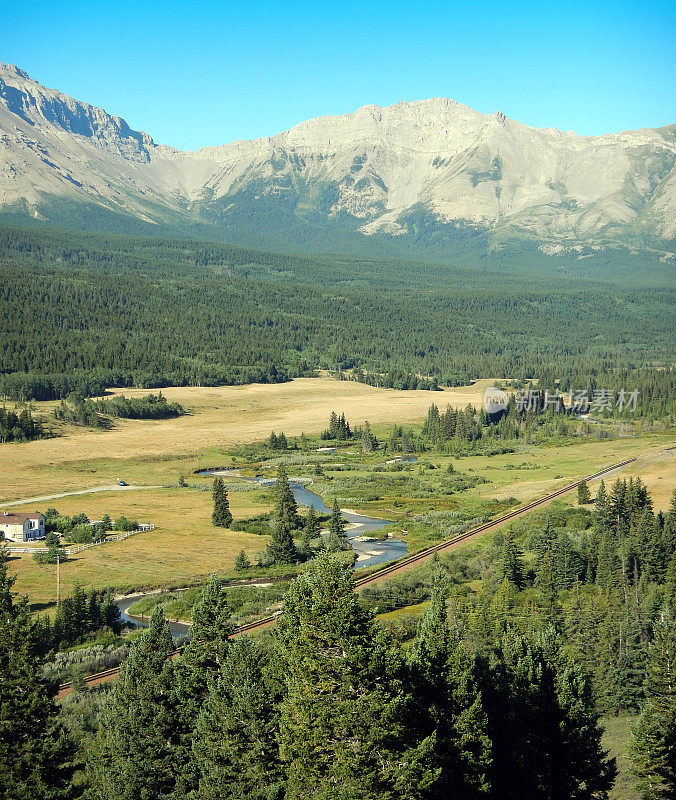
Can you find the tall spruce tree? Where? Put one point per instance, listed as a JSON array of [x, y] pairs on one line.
[[337, 538], [35, 751], [286, 510], [449, 706], [235, 752], [344, 727], [141, 748], [654, 744], [669, 534], [601, 504], [311, 531], [195, 672], [583, 494], [281, 549], [543, 724], [512, 562], [221, 516]]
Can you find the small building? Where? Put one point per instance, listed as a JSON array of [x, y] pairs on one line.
[[22, 527]]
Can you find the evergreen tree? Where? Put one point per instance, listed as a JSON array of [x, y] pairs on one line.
[[312, 526], [450, 706], [286, 510], [549, 608], [337, 538], [139, 752], [211, 626], [669, 534], [344, 728], [543, 724], [512, 562], [617, 503], [654, 744], [624, 686], [583, 494], [670, 587], [601, 504], [241, 561], [235, 753], [35, 751], [311, 531], [368, 440], [281, 549], [195, 672], [221, 516]]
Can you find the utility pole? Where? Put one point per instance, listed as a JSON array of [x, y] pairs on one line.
[[58, 581]]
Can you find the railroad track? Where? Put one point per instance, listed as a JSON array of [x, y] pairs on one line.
[[384, 572]]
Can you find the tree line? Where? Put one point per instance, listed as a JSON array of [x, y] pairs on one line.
[[153, 314]]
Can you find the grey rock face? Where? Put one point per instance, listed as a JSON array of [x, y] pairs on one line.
[[373, 166]]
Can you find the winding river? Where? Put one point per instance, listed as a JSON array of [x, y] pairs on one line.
[[368, 552]]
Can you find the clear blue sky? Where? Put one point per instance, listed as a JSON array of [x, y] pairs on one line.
[[198, 73]]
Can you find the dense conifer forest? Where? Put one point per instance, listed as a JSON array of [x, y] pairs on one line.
[[101, 311]]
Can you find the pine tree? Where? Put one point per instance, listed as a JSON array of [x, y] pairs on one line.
[[312, 526], [669, 533], [543, 724], [608, 571], [512, 562], [281, 549], [617, 503], [583, 494], [221, 516], [337, 538], [670, 586], [653, 748], [549, 608], [241, 561], [311, 531], [601, 504], [286, 510], [344, 729], [35, 751], [452, 715], [211, 627], [235, 753], [368, 440], [140, 750]]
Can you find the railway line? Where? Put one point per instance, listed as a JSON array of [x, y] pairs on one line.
[[385, 571]]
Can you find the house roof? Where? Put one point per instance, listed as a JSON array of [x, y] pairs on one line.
[[18, 517]]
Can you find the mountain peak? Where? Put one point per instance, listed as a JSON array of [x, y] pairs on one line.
[[11, 69], [377, 169]]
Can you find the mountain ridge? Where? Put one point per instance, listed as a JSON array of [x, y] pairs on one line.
[[390, 171]]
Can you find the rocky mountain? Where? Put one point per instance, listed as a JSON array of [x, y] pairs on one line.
[[426, 166]]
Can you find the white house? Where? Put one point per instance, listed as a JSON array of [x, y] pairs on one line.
[[22, 527]]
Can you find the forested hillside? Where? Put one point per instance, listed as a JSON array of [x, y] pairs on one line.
[[101, 311]]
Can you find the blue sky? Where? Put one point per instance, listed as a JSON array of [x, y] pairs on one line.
[[198, 73]]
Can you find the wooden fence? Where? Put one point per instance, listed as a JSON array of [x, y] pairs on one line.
[[71, 551]]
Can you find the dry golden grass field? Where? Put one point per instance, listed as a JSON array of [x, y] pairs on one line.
[[155, 451], [185, 546]]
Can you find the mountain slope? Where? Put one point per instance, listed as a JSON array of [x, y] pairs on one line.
[[395, 171]]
